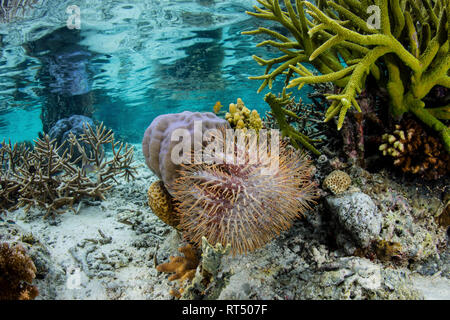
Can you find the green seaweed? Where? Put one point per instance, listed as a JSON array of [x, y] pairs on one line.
[[408, 54]]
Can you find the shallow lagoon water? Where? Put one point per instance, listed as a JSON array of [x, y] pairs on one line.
[[130, 61]]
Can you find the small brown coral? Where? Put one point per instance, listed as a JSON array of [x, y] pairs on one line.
[[17, 271], [183, 267], [387, 250], [161, 203], [337, 181], [384, 251], [416, 152]]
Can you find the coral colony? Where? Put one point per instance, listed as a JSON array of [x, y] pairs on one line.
[[408, 54], [51, 177], [11, 9]]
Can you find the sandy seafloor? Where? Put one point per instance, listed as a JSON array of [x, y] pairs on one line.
[[110, 248]]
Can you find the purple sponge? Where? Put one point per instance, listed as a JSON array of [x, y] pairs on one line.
[[157, 145]]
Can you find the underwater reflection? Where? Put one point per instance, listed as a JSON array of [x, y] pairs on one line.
[[64, 76]]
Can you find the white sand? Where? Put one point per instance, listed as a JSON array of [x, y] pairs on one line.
[[114, 269]]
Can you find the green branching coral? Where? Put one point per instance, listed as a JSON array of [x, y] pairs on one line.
[[408, 53]]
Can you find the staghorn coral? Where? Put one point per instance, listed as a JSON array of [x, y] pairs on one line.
[[236, 203], [415, 151], [11, 157], [17, 272], [337, 181], [408, 53], [281, 114], [10, 9], [48, 177], [304, 116], [161, 203], [240, 117], [183, 267], [157, 143]]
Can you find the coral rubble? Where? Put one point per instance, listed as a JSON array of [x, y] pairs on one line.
[[409, 215], [356, 278]]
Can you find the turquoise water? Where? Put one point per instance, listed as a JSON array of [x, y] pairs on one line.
[[129, 62]]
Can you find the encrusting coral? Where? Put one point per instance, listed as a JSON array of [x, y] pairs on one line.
[[337, 181], [17, 272], [50, 178], [415, 151], [444, 218], [383, 250], [405, 49], [184, 268], [161, 203], [240, 117]]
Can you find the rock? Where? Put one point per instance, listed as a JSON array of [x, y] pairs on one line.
[[357, 278], [358, 215], [64, 127]]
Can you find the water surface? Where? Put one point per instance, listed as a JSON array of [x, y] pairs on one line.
[[129, 62]]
